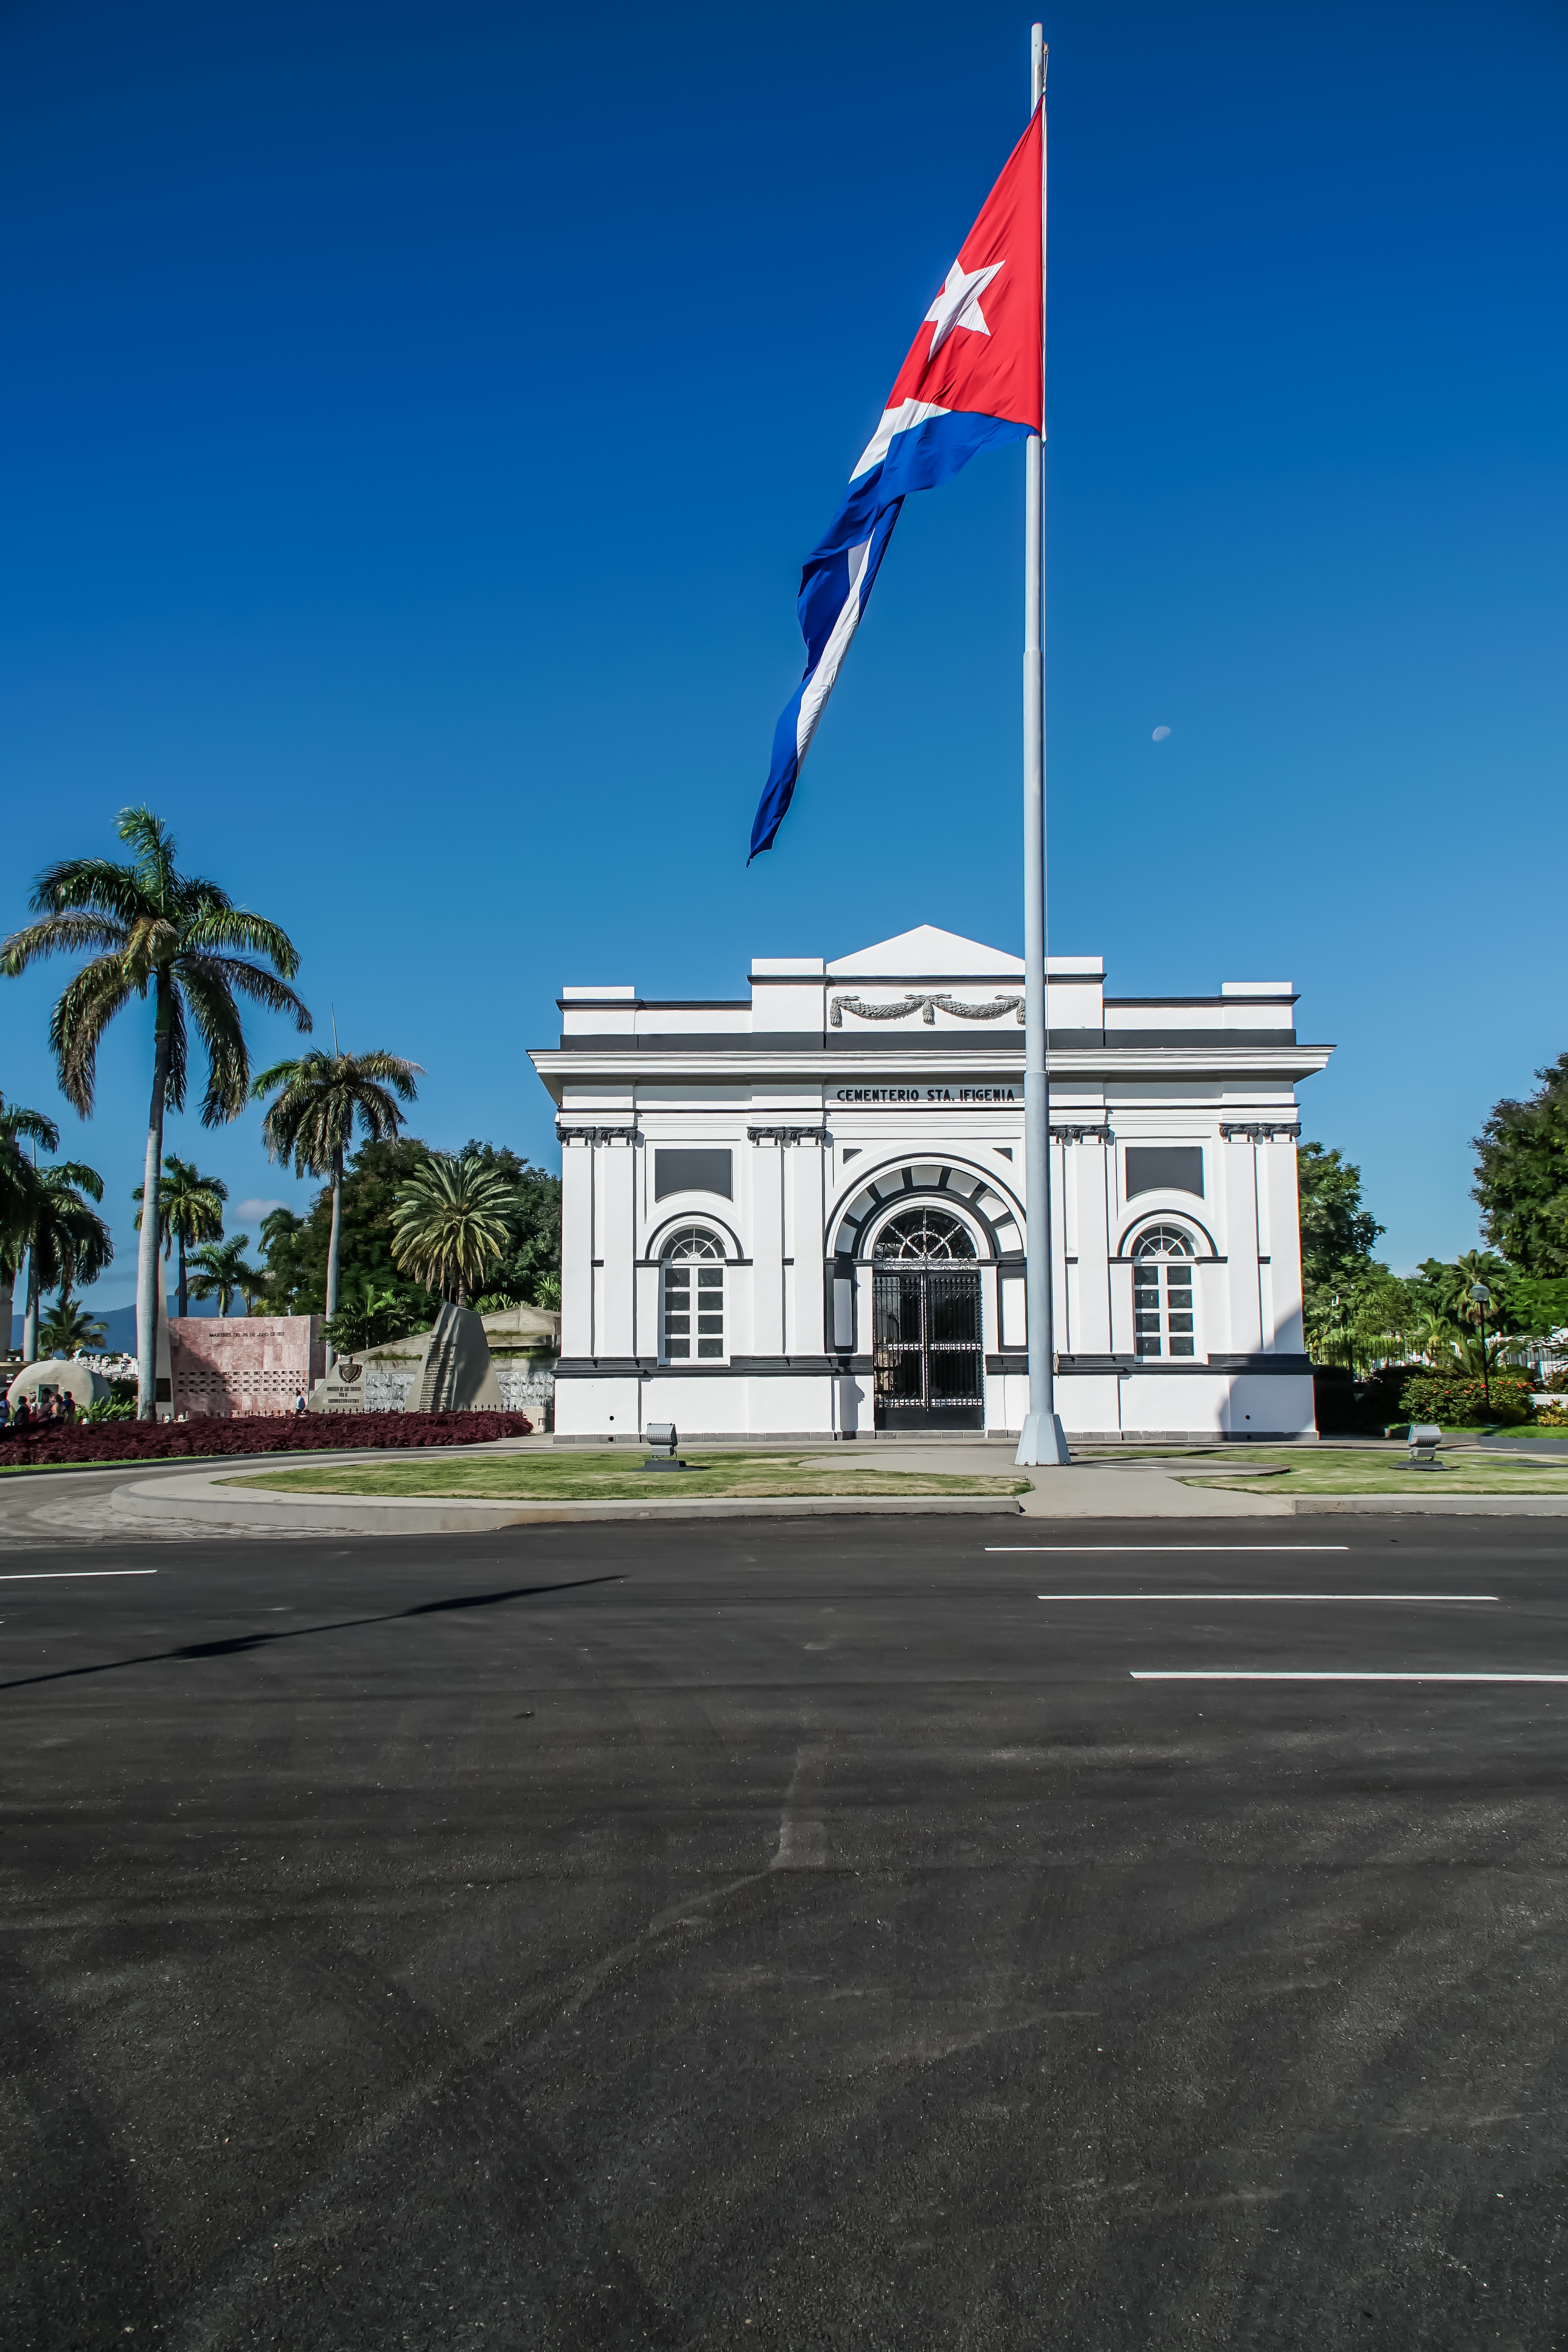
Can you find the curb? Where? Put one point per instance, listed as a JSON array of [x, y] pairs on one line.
[[1436, 1507], [153, 1502]]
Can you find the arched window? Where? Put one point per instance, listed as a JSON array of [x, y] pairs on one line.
[[925, 1234], [693, 1304], [1163, 1293]]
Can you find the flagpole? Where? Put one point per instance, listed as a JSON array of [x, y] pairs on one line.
[[1041, 1441]]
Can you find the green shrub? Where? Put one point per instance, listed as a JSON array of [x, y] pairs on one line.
[[1459, 1397], [112, 1407]]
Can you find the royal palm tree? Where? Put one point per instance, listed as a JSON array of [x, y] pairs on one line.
[[190, 1209], [451, 1220], [320, 1101], [150, 926], [221, 1270], [18, 1187], [68, 1242], [68, 1327]]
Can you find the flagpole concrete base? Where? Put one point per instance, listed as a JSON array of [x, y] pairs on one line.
[[1042, 1444]]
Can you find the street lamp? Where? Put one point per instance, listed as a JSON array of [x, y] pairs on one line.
[[1483, 1299]]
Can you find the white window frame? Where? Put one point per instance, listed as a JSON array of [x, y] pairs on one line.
[[697, 1253], [1158, 1316]]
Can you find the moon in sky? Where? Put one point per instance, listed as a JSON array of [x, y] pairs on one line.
[[1159, 734]]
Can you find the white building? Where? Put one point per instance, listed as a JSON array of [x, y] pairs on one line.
[[801, 1213]]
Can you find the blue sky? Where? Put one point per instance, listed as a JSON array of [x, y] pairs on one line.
[[415, 417]]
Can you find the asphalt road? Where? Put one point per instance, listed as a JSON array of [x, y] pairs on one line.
[[786, 1935]]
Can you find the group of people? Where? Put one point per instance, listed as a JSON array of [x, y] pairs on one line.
[[58, 1412]]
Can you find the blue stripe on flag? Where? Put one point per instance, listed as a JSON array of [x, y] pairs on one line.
[[837, 582]]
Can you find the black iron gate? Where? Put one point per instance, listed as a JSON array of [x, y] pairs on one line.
[[927, 1348]]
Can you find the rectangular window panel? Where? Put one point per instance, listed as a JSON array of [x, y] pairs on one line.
[[676, 1170], [1180, 1347], [1165, 1168], [686, 1303]]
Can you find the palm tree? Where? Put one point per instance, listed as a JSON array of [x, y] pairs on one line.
[[450, 1221], [67, 1329], [154, 927], [221, 1270], [190, 1209], [18, 1187], [68, 1242], [320, 1098], [376, 1316]]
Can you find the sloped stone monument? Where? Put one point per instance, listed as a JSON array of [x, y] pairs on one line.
[[457, 1375]]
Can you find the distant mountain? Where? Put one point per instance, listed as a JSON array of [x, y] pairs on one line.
[[120, 1325]]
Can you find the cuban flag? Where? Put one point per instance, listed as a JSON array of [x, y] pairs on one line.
[[973, 376]]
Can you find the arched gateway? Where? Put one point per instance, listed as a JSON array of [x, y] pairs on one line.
[[928, 1341]]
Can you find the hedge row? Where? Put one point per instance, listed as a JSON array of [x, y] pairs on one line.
[[307, 1432], [1351, 1408], [1455, 1397]]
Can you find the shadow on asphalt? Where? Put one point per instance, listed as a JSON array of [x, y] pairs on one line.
[[240, 1641]]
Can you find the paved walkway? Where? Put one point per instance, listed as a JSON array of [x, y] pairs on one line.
[[196, 1500]]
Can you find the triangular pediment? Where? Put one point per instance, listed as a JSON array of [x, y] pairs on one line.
[[928, 953]]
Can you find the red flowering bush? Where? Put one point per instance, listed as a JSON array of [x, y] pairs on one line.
[[307, 1432]]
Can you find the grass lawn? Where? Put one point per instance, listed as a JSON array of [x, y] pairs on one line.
[[574, 1478], [1326, 1470]]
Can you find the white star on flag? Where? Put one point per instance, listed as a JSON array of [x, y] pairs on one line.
[[958, 304]]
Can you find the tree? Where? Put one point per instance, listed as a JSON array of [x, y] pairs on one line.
[[154, 929], [1521, 1176], [67, 1241], [221, 1270], [532, 1254], [320, 1098], [190, 1209], [67, 1329], [297, 1248], [18, 1187], [1337, 1232], [452, 1220], [369, 1320]]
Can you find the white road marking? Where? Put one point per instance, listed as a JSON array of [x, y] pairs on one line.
[[1266, 1596], [1198, 1548], [1227, 1674], [45, 1575]]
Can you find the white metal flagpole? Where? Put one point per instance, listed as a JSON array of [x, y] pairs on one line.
[[1042, 1441]]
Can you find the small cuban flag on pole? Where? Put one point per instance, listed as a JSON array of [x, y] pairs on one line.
[[973, 377]]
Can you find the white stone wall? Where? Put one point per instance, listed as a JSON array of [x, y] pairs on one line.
[[525, 1387]]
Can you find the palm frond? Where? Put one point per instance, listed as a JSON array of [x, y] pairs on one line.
[[216, 1017], [397, 1073], [19, 1126], [70, 1242], [178, 1073], [82, 1014], [252, 980], [67, 934], [72, 1175], [237, 926], [97, 885], [155, 848]]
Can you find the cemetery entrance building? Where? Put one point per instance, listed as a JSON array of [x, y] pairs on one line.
[[800, 1213]]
